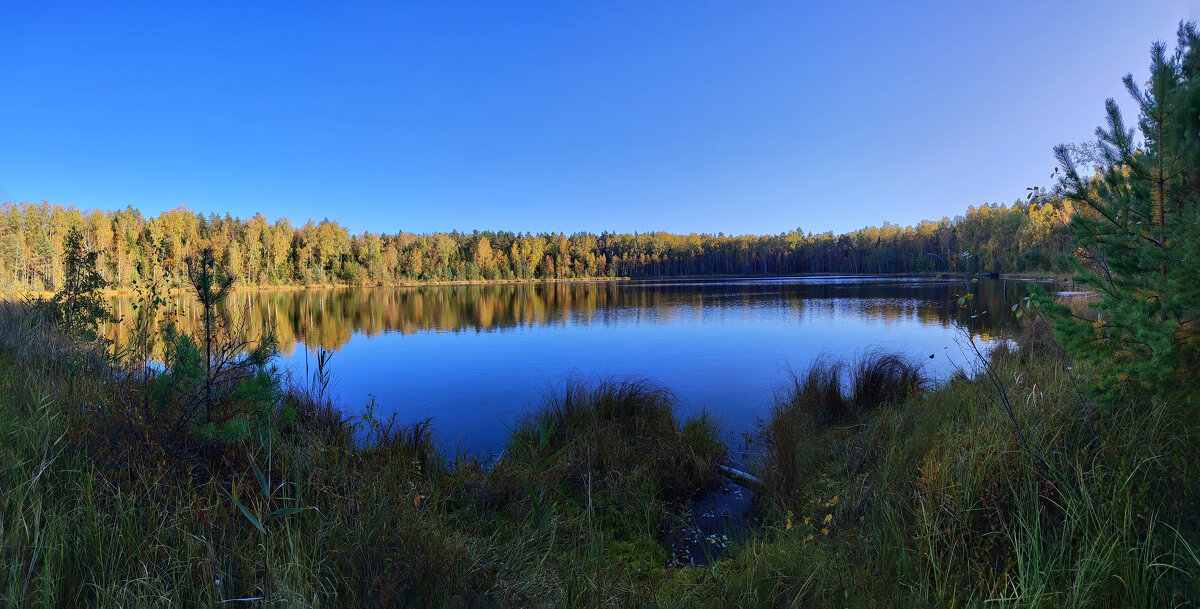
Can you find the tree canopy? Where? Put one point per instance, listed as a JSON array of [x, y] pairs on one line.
[[1025, 236]]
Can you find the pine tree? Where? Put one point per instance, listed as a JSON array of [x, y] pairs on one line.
[[239, 387], [79, 307], [1138, 234], [212, 285]]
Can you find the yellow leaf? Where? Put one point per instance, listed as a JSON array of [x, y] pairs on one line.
[[825, 531], [789, 525], [828, 517]]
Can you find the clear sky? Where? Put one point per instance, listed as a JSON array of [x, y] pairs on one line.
[[735, 117]]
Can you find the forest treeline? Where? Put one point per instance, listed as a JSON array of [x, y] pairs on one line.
[[1022, 237]]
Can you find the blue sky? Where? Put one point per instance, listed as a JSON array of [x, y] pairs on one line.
[[712, 117]]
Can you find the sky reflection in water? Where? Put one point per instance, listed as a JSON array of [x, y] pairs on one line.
[[476, 357]]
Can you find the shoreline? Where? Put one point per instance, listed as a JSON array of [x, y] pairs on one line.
[[1026, 276], [333, 286]]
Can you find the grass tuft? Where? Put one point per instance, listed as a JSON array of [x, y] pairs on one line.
[[831, 393]]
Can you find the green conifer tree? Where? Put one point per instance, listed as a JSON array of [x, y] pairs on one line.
[[1138, 236], [79, 306], [239, 388], [212, 285]]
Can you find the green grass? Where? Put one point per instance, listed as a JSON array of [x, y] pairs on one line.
[[937, 504], [930, 500]]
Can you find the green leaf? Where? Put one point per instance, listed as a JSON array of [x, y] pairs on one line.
[[289, 511], [558, 453], [254, 521], [262, 480]]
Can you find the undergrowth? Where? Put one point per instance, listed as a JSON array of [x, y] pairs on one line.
[[930, 500], [877, 489]]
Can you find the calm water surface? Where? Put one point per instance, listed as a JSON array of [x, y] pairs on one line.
[[476, 357]]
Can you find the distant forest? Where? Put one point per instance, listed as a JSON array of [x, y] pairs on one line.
[[1022, 237]]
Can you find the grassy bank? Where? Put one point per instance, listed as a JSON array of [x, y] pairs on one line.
[[878, 489], [910, 496], [104, 506]]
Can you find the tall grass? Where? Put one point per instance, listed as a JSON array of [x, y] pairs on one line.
[[321, 510], [830, 393], [619, 427], [877, 490], [937, 503]]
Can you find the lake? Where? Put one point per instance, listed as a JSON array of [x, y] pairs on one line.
[[474, 357]]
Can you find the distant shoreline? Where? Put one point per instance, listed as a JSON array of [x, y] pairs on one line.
[[486, 282]]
